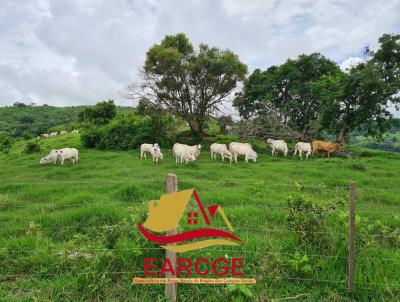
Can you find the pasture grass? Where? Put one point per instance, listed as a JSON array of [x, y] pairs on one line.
[[91, 209]]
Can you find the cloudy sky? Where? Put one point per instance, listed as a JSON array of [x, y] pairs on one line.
[[70, 52]]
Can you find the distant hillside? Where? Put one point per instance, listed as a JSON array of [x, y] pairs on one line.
[[28, 120], [390, 142]]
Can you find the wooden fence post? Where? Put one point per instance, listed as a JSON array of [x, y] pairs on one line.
[[351, 271], [171, 288]]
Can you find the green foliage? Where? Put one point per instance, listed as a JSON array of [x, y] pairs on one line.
[[355, 164], [356, 99], [128, 132], [33, 121], [375, 233], [99, 114], [287, 91], [311, 94], [91, 136], [299, 264], [387, 58], [5, 143], [188, 83], [307, 220], [32, 147], [239, 293]]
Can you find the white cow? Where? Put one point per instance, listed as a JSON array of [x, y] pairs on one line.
[[193, 150], [222, 150], [278, 145], [156, 153], [53, 134], [75, 131], [61, 155], [144, 148], [243, 149], [183, 153], [302, 147], [45, 135], [63, 132]]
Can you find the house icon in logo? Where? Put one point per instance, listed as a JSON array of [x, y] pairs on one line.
[[167, 214]]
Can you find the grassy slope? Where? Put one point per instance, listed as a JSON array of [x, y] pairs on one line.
[[44, 118], [391, 142], [43, 208]]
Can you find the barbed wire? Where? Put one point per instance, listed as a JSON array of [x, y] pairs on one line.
[[64, 252], [257, 183], [52, 205], [36, 227]]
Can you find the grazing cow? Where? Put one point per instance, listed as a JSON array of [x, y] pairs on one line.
[[183, 154], [302, 147], [326, 147], [278, 145], [63, 132], [243, 149], [222, 150], [156, 153], [61, 155], [144, 148], [53, 134], [45, 135], [193, 150]]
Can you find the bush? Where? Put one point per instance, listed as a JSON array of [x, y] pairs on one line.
[[307, 219], [5, 144], [90, 136], [32, 147], [128, 132], [355, 164], [102, 113]]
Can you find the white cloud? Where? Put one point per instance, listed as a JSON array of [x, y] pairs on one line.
[[350, 62], [79, 52]]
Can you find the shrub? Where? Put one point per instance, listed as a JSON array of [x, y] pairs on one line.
[[90, 136], [307, 219], [355, 164], [128, 132], [239, 293], [102, 113], [32, 147], [5, 143]]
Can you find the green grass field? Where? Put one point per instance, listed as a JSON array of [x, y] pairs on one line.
[[68, 233]]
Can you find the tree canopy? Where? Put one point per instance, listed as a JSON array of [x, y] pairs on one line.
[[311, 94], [188, 83], [288, 92], [101, 113]]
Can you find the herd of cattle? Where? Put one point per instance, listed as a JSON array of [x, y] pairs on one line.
[[53, 134], [185, 153]]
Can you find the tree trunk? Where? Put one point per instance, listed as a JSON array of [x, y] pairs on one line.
[[196, 129], [340, 136], [304, 134]]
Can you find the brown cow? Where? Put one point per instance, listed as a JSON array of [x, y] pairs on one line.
[[323, 146]]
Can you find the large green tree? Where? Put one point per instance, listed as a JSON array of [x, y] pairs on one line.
[[100, 114], [361, 97], [288, 92], [188, 83], [356, 99]]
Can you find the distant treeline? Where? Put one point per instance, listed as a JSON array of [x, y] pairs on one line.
[[23, 120]]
